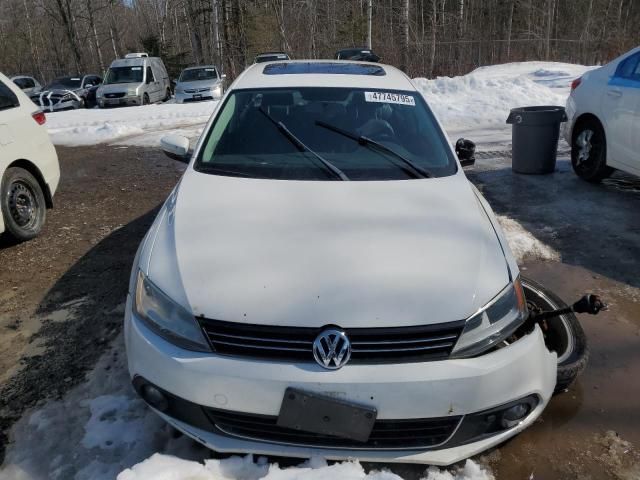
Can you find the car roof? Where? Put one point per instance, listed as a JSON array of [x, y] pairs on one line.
[[200, 66], [323, 73], [261, 54]]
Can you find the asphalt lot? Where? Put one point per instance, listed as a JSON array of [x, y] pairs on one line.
[[109, 195]]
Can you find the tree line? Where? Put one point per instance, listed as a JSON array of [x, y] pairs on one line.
[[48, 38]]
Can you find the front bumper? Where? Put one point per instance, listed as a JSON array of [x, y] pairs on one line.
[[182, 97], [407, 391], [126, 101]]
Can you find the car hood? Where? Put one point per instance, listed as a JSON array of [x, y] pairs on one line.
[[197, 84], [352, 254]]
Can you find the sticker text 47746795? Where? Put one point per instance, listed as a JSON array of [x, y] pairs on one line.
[[389, 97]]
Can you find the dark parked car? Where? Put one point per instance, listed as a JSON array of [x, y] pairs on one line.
[[361, 54], [271, 57], [67, 93]]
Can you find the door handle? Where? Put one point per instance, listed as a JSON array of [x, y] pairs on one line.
[[614, 92]]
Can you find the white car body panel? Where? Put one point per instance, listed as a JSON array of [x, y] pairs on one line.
[[616, 106], [353, 254], [21, 138], [307, 253]]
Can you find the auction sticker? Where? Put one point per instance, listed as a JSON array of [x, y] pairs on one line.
[[388, 97]]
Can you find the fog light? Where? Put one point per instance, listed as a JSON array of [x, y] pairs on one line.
[[514, 415], [154, 397]]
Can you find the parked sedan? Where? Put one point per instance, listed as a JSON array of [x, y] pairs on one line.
[[29, 170], [28, 85], [604, 119], [68, 93], [199, 83], [324, 280]]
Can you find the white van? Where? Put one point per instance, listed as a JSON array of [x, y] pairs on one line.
[[136, 79]]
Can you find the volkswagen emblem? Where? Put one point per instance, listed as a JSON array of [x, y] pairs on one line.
[[332, 349]]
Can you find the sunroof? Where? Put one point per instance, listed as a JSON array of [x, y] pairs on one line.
[[332, 68]]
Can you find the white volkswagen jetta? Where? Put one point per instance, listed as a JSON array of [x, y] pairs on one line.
[[324, 280], [603, 113]]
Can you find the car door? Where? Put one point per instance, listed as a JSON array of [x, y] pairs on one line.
[[620, 112], [152, 85], [12, 124]]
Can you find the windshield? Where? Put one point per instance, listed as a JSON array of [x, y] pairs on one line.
[[195, 74], [293, 133], [69, 83], [123, 75]]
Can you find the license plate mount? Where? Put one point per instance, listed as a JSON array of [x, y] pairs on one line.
[[316, 413], [197, 97]]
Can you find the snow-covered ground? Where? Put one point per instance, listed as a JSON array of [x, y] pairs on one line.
[[141, 126], [475, 105]]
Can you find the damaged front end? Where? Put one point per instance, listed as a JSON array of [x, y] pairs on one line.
[[58, 99]]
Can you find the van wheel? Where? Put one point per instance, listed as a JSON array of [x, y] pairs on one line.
[[563, 335], [167, 97], [22, 204], [145, 99], [589, 151]]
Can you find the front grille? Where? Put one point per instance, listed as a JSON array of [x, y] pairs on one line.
[[386, 434], [114, 95], [197, 99], [196, 90], [368, 345]]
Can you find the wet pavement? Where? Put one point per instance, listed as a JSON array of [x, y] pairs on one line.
[[596, 230]]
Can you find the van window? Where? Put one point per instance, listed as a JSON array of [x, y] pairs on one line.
[[150, 75], [8, 99]]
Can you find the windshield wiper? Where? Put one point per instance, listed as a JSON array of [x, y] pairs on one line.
[[416, 170], [302, 147]]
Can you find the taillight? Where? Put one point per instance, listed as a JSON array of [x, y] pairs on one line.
[[39, 117], [576, 83]]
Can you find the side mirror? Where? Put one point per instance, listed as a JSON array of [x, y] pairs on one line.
[[223, 76], [466, 152], [176, 147]]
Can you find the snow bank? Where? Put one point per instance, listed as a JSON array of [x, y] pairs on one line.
[[163, 467], [477, 104], [142, 126], [523, 244]]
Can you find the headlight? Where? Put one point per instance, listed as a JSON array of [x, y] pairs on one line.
[[493, 323], [132, 91], [166, 317]]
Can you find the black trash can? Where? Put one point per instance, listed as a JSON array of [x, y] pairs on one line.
[[534, 138]]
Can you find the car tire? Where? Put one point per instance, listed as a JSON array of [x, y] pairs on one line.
[[145, 99], [167, 96], [563, 334], [22, 204], [589, 151]]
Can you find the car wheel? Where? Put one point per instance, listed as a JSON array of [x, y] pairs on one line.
[[22, 204], [589, 151], [563, 335], [145, 99]]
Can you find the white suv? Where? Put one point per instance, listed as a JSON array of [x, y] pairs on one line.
[[324, 280], [603, 113], [28, 164]]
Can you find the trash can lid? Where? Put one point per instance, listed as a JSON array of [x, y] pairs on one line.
[[537, 115]]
